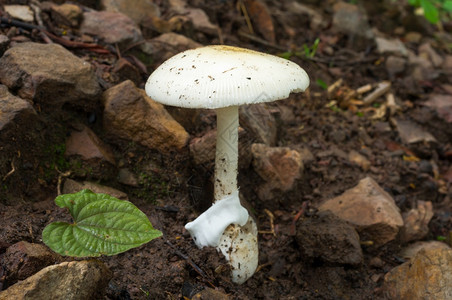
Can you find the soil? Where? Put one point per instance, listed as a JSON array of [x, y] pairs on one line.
[[173, 191]]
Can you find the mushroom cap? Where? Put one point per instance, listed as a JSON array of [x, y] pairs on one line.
[[221, 76]]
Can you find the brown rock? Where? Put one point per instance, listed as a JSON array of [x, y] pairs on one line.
[[327, 237], [137, 10], [350, 19], [416, 222], [126, 71], [72, 186], [257, 119], [14, 111], [111, 27], [370, 209], [426, 50], [395, 65], [203, 149], [125, 176], [77, 280], [67, 14], [208, 294], [359, 159], [24, 259], [442, 104], [428, 275], [49, 74], [4, 43], [412, 133], [169, 44], [280, 167], [130, 114], [88, 146]]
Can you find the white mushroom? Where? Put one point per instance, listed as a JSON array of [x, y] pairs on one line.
[[222, 78]]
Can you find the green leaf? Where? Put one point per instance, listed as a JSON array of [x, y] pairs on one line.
[[430, 11], [103, 225], [448, 5]]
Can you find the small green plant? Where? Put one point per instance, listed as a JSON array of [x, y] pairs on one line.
[[433, 9], [307, 52], [322, 84], [103, 225]]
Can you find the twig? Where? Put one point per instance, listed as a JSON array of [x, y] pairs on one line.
[[13, 169], [66, 43], [60, 179], [382, 88], [260, 41], [272, 225], [242, 7], [297, 216]]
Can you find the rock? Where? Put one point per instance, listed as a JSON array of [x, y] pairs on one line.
[[189, 118], [202, 149], [137, 10], [413, 37], [197, 16], [428, 275], [257, 119], [14, 112], [327, 237], [395, 65], [279, 167], [130, 114], [125, 176], [88, 146], [442, 104], [317, 21], [427, 51], [209, 293], [416, 222], [447, 62], [169, 44], [76, 280], [72, 186], [350, 19], [24, 259], [111, 27], [49, 75], [67, 14], [21, 12], [126, 71], [411, 250], [393, 46], [4, 43], [411, 133], [369, 209], [359, 159]]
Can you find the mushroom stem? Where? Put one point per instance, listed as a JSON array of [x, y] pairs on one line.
[[226, 158]]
